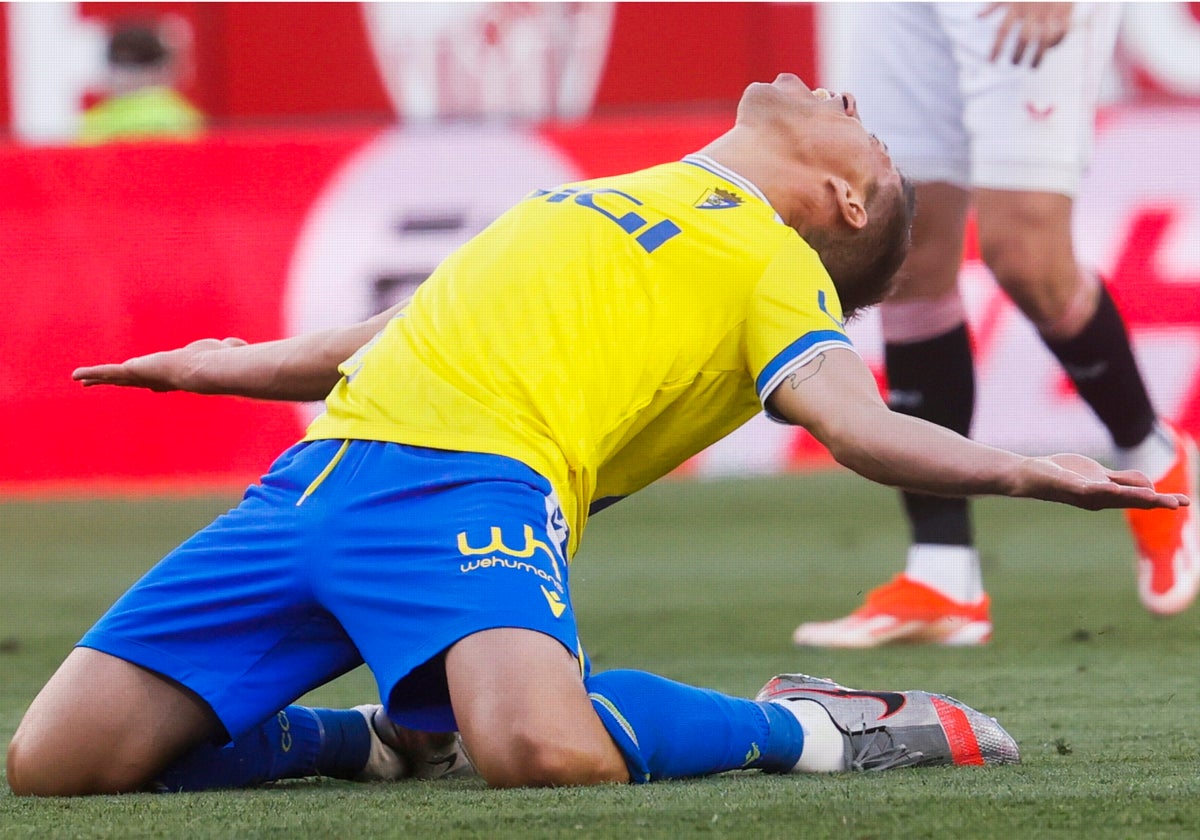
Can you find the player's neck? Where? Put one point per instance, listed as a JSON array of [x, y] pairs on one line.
[[785, 183]]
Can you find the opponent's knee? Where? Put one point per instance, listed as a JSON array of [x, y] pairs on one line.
[[1054, 294], [1033, 262], [911, 321]]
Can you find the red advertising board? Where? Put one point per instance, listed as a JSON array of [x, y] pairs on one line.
[[129, 249]]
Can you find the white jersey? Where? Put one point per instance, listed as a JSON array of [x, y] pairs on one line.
[[925, 84]]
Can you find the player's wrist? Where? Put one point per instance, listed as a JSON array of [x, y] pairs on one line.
[[1018, 476], [202, 373]]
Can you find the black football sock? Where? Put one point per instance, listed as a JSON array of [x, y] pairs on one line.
[[1100, 362], [935, 380]]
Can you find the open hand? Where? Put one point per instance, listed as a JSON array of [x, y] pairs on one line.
[[1084, 483], [169, 370]]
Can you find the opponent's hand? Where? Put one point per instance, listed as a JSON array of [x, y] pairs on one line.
[[1084, 483], [169, 370], [1039, 26]]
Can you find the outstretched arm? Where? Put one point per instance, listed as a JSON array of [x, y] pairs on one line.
[[836, 398], [301, 368]]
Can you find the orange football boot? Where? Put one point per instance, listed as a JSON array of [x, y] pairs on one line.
[[1168, 541], [903, 610]]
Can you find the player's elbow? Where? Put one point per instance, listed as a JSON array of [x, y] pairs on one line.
[[838, 435], [852, 446]]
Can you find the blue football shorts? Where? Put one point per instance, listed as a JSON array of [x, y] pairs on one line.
[[350, 552]]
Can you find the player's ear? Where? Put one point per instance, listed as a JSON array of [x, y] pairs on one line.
[[851, 203]]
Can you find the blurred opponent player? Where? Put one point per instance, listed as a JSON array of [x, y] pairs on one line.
[[992, 106], [585, 344]]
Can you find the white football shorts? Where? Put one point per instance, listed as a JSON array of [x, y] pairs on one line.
[[925, 85]]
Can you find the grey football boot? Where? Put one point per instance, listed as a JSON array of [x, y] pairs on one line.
[[882, 730]]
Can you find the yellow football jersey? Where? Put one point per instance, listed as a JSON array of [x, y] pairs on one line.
[[601, 332]]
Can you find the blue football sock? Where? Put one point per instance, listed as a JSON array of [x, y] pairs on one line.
[[297, 742], [668, 730]]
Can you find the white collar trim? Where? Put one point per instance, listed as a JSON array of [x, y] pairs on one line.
[[705, 162]]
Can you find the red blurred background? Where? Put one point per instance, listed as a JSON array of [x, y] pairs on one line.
[[337, 131]]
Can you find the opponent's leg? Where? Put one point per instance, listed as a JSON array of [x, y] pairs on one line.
[[104, 725], [1025, 238], [930, 372]]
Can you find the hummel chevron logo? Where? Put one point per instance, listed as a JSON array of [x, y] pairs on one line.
[[1039, 112], [893, 701], [556, 605]]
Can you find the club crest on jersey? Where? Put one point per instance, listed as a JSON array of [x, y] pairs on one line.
[[719, 199]]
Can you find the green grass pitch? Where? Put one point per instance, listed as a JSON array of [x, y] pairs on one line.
[[704, 582]]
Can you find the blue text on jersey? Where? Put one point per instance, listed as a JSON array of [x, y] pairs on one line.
[[631, 222]]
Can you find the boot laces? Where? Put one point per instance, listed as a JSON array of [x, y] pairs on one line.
[[876, 749]]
